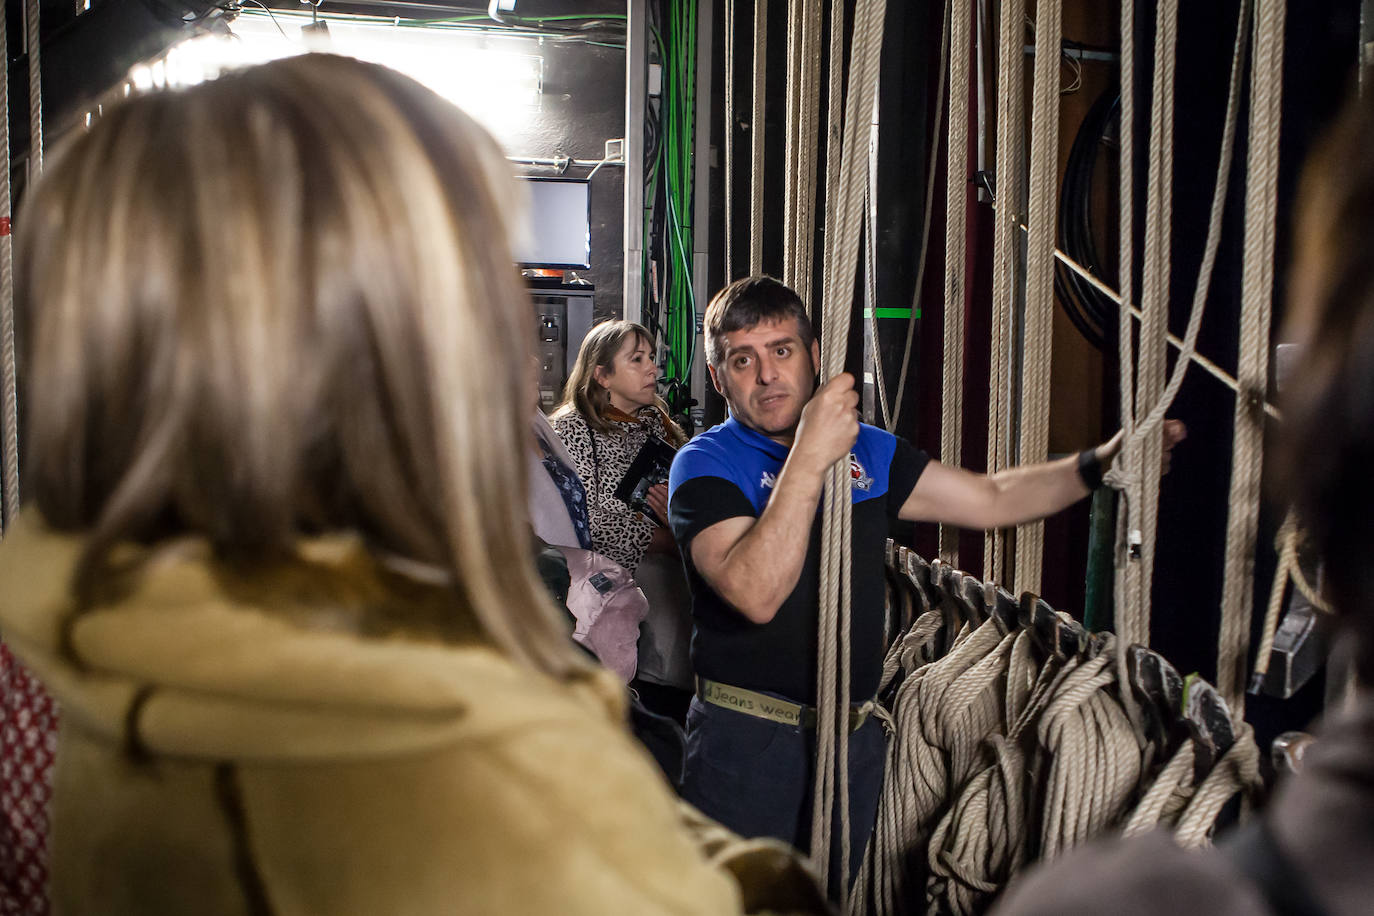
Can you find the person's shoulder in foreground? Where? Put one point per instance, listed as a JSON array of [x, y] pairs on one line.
[[390, 773], [1143, 876]]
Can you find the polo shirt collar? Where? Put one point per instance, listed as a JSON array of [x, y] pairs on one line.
[[756, 439]]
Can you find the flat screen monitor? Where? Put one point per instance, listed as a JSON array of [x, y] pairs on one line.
[[559, 224]]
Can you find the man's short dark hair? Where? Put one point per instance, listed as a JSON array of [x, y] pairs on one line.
[[747, 302]]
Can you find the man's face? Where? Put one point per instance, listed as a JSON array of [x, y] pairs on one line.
[[767, 375]]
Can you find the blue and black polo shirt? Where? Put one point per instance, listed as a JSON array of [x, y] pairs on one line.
[[729, 471]]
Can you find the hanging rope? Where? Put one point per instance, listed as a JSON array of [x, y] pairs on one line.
[[1286, 545], [1192, 357], [812, 44], [34, 35], [834, 124], [1257, 286], [1144, 460], [1011, 149], [1133, 472], [9, 398], [871, 266], [1039, 320], [803, 112], [1127, 579], [956, 225], [929, 208], [729, 139], [792, 100], [843, 225], [756, 137]]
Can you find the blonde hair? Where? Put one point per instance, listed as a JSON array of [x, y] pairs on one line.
[[586, 396], [283, 303]]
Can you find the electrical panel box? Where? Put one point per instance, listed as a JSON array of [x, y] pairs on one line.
[[562, 318]]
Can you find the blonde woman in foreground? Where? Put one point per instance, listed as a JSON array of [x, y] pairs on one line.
[[273, 562]]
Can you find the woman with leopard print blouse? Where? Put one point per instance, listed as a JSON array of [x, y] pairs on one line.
[[610, 409]]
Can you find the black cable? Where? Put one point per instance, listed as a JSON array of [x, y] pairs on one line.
[[1091, 311]]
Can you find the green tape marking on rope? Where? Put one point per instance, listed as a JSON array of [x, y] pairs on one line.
[[890, 313]]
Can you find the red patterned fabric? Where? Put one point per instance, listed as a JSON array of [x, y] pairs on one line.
[[28, 747]]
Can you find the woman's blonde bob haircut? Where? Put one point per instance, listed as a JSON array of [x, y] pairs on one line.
[[278, 304]]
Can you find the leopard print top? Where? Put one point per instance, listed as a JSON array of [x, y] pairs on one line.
[[618, 532]]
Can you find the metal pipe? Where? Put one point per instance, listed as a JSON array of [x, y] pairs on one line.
[[636, 89], [563, 164], [701, 219]]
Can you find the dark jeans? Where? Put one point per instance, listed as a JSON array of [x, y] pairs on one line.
[[755, 776]]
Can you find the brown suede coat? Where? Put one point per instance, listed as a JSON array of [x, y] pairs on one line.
[[332, 737]]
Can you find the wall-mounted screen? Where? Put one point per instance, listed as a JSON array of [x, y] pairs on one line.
[[559, 224]]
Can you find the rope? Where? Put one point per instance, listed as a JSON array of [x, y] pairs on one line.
[[1142, 492], [729, 138], [1134, 474], [1095, 758], [811, 124], [1193, 357], [834, 123], [843, 225], [1286, 544], [34, 34], [934, 727], [956, 225], [756, 137], [871, 268], [1011, 144], [9, 396], [967, 801], [803, 102], [1167, 795], [925, 221], [1039, 320], [1257, 285], [792, 99], [1237, 771]]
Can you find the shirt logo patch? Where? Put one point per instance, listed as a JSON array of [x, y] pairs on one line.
[[768, 480], [858, 476]]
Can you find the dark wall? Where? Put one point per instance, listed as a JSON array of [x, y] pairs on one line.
[[583, 106]]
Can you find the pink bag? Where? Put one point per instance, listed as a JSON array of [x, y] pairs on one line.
[[609, 608]]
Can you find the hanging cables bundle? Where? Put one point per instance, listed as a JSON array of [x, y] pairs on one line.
[[1092, 313], [670, 176]]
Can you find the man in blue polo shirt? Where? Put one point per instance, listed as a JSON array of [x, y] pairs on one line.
[[743, 500]]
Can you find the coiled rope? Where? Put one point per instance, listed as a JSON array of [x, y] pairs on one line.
[[999, 760]]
